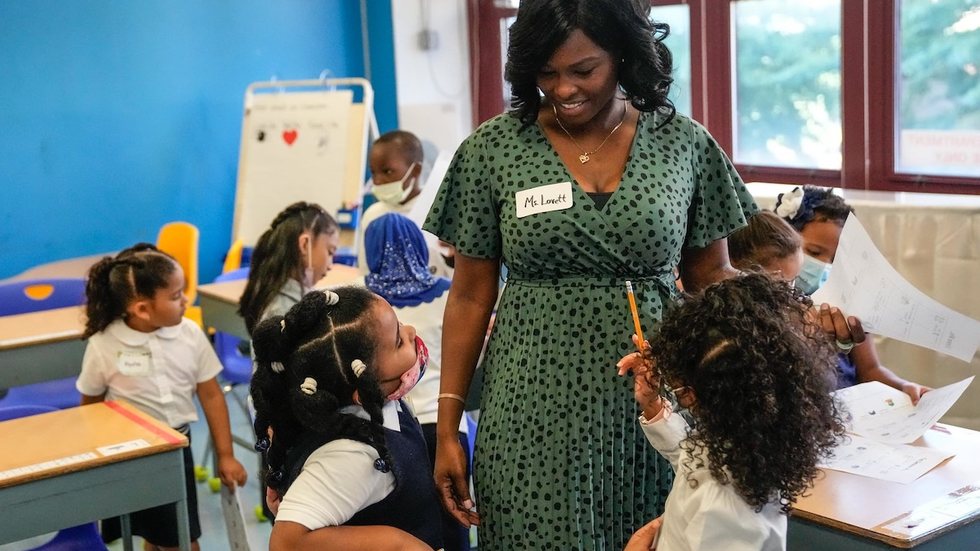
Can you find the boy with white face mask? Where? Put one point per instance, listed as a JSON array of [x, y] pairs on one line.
[[395, 161]]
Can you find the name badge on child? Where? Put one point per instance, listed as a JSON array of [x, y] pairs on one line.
[[135, 363], [543, 199]]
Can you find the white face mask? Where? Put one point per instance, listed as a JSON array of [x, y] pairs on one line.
[[395, 193]]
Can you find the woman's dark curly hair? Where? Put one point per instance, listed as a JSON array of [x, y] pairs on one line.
[[821, 205], [620, 27], [276, 257], [114, 282], [318, 338], [762, 375]]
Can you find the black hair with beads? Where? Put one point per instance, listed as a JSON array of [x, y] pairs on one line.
[[276, 257], [113, 282], [319, 339]]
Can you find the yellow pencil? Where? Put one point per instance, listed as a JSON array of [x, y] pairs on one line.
[[636, 315]]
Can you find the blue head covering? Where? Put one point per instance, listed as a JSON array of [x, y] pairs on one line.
[[398, 260]]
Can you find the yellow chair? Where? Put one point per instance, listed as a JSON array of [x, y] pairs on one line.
[[180, 240], [233, 260]]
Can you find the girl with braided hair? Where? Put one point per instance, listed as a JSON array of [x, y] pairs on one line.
[[755, 371], [290, 257], [348, 467], [142, 349]]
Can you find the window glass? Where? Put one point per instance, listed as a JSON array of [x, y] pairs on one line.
[[787, 83], [679, 43], [938, 87]]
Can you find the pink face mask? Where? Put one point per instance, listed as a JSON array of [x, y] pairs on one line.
[[411, 377]]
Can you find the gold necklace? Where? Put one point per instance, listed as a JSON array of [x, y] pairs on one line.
[[587, 155]]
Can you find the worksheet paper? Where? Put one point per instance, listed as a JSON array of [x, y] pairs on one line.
[[865, 457], [885, 414], [864, 285]]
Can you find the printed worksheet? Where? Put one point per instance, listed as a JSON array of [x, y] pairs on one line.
[[863, 284], [896, 463], [880, 412]]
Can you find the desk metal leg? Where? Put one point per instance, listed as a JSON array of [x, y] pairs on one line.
[[183, 526], [127, 532]]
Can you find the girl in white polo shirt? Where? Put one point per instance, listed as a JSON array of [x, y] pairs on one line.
[[141, 349]]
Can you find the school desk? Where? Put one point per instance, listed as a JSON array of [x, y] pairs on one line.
[[219, 301], [70, 267], [41, 346], [83, 464], [940, 510]]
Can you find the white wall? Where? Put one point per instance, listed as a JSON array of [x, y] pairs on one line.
[[434, 85]]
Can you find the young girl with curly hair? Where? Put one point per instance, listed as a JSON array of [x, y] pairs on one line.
[[755, 374], [348, 467]]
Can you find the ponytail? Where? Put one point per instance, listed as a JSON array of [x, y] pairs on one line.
[[136, 272], [276, 257]]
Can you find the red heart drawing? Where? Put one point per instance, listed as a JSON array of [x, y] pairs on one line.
[[289, 136]]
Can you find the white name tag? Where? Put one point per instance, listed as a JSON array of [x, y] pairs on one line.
[[543, 199], [135, 363]]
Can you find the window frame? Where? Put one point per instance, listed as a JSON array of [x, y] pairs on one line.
[[869, 35]]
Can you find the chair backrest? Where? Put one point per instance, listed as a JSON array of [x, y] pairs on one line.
[[240, 273], [233, 259], [180, 240], [34, 295], [16, 412]]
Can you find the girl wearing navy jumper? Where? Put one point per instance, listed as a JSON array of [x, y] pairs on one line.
[[348, 467], [143, 350]]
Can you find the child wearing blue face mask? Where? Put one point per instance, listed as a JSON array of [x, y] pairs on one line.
[[348, 467], [818, 215]]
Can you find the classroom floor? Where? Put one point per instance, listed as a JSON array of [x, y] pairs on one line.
[[213, 536]]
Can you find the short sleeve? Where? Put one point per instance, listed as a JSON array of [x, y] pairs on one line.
[[464, 213], [721, 203], [337, 481], [92, 379], [208, 364]]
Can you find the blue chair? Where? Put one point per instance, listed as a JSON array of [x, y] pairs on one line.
[[35, 295], [84, 537]]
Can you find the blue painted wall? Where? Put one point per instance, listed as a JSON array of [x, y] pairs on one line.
[[119, 116]]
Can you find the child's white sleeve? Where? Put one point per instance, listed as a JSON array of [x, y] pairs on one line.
[[337, 481], [208, 364], [92, 380], [665, 433]]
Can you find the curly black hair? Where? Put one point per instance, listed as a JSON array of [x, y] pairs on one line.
[[276, 257], [113, 282], [762, 375], [620, 27], [820, 204], [319, 339]]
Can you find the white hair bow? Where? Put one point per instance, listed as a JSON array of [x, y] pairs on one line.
[[788, 204]]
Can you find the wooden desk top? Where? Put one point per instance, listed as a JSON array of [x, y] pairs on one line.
[[43, 327], [80, 438], [71, 267], [231, 291], [864, 506]]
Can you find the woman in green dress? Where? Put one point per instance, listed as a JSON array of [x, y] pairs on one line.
[[592, 182]]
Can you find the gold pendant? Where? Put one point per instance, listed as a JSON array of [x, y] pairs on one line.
[[583, 158]]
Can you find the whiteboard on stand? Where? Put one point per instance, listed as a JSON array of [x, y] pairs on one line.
[[305, 145]]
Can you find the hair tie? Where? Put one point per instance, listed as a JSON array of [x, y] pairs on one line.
[[262, 444], [358, 366], [277, 367], [276, 476], [381, 465], [308, 386], [282, 325], [788, 204], [332, 297]]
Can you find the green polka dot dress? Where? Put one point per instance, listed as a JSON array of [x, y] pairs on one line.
[[561, 462]]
